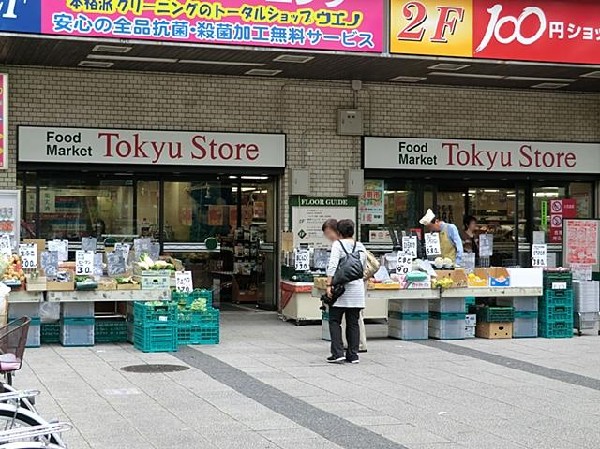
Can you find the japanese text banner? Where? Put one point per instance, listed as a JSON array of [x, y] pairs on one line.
[[344, 25]]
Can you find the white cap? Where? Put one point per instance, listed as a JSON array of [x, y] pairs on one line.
[[427, 218]]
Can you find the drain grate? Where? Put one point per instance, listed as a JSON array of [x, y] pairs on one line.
[[152, 369]]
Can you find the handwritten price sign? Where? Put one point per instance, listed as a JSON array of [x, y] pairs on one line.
[[5, 245], [302, 260], [29, 256], [404, 265], [183, 281], [409, 246], [432, 244], [539, 255], [84, 263]]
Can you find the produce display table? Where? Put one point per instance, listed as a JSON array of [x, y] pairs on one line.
[[109, 296], [486, 292], [297, 302], [25, 296]]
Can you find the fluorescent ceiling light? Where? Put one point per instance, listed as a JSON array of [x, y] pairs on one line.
[[491, 191], [255, 178], [132, 59], [532, 78], [549, 86], [112, 48], [448, 66], [409, 79], [263, 72], [595, 74], [229, 63], [96, 64], [294, 59], [466, 75]]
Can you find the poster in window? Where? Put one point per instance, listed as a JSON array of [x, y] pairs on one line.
[[581, 242], [371, 205], [215, 215]]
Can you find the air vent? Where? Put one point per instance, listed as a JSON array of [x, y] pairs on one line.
[[96, 64], [595, 74], [294, 59], [550, 86], [408, 79], [263, 72], [111, 49], [447, 66]]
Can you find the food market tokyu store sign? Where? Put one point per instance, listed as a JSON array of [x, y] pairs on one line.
[[146, 147], [480, 155]]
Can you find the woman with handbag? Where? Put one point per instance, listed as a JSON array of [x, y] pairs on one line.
[[346, 254]]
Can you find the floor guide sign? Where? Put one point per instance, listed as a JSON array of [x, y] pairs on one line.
[[480, 155]]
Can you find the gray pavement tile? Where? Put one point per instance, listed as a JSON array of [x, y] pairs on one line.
[[407, 434]]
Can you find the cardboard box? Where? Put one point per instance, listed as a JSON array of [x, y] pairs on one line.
[[107, 284], [67, 286], [499, 277], [36, 285], [479, 278], [129, 287], [320, 283], [458, 276], [494, 331]]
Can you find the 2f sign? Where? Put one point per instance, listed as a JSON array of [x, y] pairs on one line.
[[445, 19], [8, 8]]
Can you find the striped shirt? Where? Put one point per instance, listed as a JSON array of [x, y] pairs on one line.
[[354, 295]]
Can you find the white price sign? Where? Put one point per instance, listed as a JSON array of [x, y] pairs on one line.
[[61, 247], [124, 248], [539, 255], [486, 245], [432, 244], [84, 263], [5, 245], [29, 256], [409, 246], [404, 265], [183, 281], [581, 271], [302, 260]]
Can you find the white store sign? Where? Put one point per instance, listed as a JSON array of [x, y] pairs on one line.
[[143, 147], [480, 155]]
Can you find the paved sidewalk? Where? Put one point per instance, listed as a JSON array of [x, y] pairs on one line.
[[267, 386]]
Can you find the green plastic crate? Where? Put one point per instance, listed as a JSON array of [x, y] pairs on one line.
[[526, 314], [149, 314], [469, 302], [187, 299], [50, 333], [155, 338], [556, 313], [110, 330], [495, 314], [551, 277], [554, 298], [196, 328], [558, 329], [416, 316]]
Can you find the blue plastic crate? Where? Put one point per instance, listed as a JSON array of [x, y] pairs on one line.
[[155, 338], [77, 331], [150, 314]]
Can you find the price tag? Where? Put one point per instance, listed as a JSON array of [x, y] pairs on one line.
[[539, 255], [5, 245], [404, 265], [89, 244], [468, 261], [559, 286], [49, 263], [84, 263], [141, 246], [154, 250], [432, 244], [409, 246], [61, 247], [116, 264], [29, 256], [123, 248], [183, 281], [486, 245], [581, 271], [302, 260], [98, 269]]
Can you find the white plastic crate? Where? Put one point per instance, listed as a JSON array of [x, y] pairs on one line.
[[34, 334], [408, 329], [469, 331], [77, 309], [20, 309], [447, 305], [447, 329], [408, 305], [77, 331], [155, 282], [520, 303], [586, 295], [525, 328]]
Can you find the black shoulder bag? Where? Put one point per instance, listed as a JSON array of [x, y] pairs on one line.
[[350, 268]]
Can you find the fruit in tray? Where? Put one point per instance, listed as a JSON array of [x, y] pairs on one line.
[[14, 271], [146, 263], [444, 282], [126, 280], [473, 278]]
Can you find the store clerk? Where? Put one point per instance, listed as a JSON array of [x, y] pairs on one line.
[[450, 241]]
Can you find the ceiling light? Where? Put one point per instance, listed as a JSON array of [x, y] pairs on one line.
[[408, 79], [294, 59], [96, 64], [447, 66], [132, 59], [466, 75], [255, 178], [263, 72], [549, 86], [230, 63], [111, 49], [595, 74], [531, 78]]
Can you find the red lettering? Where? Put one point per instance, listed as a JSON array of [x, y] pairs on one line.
[[451, 147], [525, 151], [175, 150], [139, 146], [446, 22], [252, 152], [227, 147], [416, 19], [238, 148], [108, 137], [463, 158], [197, 143], [570, 160], [123, 144]]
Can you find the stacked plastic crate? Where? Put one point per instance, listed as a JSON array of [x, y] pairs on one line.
[[198, 321], [155, 326], [408, 320], [447, 319], [526, 315], [556, 306], [17, 310], [495, 322], [587, 308], [77, 324], [110, 330]]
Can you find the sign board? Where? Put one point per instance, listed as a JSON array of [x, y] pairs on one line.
[[486, 245], [371, 208], [49, 263], [302, 260], [84, 263], [581, 243], [29, 256], [544, 215], [379, 236], [117, 265], [539, 237], [123, 248], [539, 255], [432, 244], [141, 247], [409, 246], [5, 245], [144, 147], [309, 214], [489, 156], [183, 281], [404, 264], [560, 32], [89, 244], [61, 247], [468, 261], [581, 271]]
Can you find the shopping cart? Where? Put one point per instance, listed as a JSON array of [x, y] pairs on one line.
[[13, 338]]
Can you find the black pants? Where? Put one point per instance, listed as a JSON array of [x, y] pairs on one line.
[[352, 331]]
